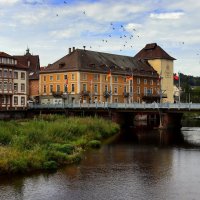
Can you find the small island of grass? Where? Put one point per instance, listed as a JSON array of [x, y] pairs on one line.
[[49, 141]]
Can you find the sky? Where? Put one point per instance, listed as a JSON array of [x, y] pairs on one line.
[[50, 27]]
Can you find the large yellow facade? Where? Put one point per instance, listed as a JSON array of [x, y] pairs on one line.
[[165, 69], [87, 87]]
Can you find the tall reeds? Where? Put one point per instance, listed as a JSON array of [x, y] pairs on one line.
[[49, 141]]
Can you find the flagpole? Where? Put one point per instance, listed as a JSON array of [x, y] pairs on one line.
[[179, 87]]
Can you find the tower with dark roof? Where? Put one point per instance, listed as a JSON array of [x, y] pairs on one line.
[[162, 62]]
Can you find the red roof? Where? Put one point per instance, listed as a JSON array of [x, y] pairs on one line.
[[5, 55], [153, 51], [99, 62]]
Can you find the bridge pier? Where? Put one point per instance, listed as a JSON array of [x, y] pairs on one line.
[[170, 120]]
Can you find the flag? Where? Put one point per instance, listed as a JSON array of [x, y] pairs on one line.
[[90, 82], [66, 82], [108, 75], [176, 77], [160, 78], [129, 78]]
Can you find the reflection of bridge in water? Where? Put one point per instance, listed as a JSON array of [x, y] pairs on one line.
[[168, 115]]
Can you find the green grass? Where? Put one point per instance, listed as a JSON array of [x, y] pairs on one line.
[[49, 141]]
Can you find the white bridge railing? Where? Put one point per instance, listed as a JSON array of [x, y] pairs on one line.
[[179, 106]]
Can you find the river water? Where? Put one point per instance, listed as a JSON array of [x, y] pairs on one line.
[[134, 165]]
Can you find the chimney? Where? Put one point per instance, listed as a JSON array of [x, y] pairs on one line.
[[84, 47], [70, 50], [73, 48]]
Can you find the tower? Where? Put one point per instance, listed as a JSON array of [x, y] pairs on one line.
[[163, 64]]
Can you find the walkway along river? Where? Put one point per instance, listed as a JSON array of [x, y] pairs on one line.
[[134, 165]]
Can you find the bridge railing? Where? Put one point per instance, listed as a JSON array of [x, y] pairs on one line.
[[182, 106]]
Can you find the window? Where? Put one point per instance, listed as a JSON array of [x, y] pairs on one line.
[[84, 76], [73, 76], [10, 86], [125, 89], [96, 77], [145, 91], [10, 74], [131, 89], [151, 82], [65, 88], [51, 78], [58, 77], [138, 80], [22, 87], [106, 88], [138, 90], [58, 88], [145, 81], [44, 78], [15, 75], [22, 100], [44, 89], [0, 85], [65, 76], [51, 88], [73, 88], [5, 87], [115, 90], [105, 77], [15, 100], [151, 90], [22, 76], [116, 100], [115, 78], [0, 73], [95, 89], [16, 87], [84, 87], [5, 73], [124, 79]]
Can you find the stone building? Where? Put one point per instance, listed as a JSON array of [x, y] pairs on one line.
[[13, 83], [89, 76], [33, 64]]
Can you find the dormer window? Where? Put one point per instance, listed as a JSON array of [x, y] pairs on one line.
[[29, 63]]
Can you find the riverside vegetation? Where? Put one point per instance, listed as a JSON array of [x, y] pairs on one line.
[[50, 141]]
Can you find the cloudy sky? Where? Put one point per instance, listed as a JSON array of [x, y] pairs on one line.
[[50, 27]]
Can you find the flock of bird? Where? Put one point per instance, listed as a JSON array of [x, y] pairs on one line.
[[115, 29], [120, 31]]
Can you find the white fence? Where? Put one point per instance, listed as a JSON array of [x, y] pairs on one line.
[[179, 106]]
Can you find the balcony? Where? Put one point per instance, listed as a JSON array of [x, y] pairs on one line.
[[85, 93], [57, 94], [107, 94], [126, 94]]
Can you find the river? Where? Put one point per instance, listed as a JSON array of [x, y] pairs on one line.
[[137, 165]]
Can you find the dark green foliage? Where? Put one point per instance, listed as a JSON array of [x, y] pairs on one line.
[[94, 144], [64, 148], [50, 165]]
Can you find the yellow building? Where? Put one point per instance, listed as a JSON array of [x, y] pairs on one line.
[[163, 64], [85, 76]]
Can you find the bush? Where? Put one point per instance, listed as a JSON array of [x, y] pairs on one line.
[[64, 148], [51, 165], [94, 144]]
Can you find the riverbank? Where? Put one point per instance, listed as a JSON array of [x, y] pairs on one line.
[[191, 119], [49, 141]]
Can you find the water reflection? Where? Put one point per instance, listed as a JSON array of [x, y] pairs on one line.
[[137, 164]]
